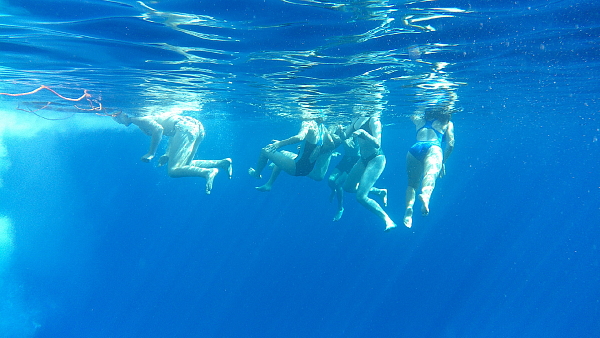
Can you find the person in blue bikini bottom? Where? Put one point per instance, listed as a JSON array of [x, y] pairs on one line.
[[425, 159]]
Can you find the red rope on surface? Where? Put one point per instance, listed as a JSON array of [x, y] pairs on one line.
[[85, 93], [95, 105]]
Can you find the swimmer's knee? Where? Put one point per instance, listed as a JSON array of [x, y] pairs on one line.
[[362, 198], [174, 172]]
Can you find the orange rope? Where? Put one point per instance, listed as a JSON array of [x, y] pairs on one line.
[[85, 93], [98, 110]]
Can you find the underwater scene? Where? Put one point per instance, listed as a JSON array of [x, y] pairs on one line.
[[299, 168]]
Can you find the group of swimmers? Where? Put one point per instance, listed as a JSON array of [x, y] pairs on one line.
[[357, 172]]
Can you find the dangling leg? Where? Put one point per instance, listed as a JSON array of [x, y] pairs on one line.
[[336, 180], [269, 185], [192, 171], [414, 170], [182, 147], [321, 167], [432, 166], [224, 164], [354, 177], [371, 174], [261, 163], [331, 182], [381, 193], [280, 158], [340, 197]]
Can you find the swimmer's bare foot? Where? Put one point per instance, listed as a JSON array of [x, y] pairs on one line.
[[338, 215], [228, 164], [253, 173], [424, 204], [389, 224], [408, 217], [381, 193], [163, 160], [210, 179], [264, 188]]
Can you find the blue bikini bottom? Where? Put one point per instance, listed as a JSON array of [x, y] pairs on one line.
[[419, 150]]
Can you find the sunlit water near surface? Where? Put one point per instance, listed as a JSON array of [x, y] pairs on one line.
[[95, 243]]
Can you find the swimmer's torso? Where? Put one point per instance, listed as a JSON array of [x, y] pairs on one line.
[[168, 122], [366, 147], [429, 130]]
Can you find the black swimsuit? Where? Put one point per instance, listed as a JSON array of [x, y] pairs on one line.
[[303, 165]]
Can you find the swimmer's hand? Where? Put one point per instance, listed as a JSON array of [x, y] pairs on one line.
[[349, 142], [273, 146], [163, 160], [358, 133], [442, 171], [147, 158]]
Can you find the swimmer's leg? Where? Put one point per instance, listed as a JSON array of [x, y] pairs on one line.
[[210, 179], [414, 169], [261, 163], [354, 176], [368, 179], [431, 170], [225, 164], [252, 172], [192, 171], [332, 183], [408, 217], [339, 214], [424, 198], [269, 185], [408, 210], [382, 193]]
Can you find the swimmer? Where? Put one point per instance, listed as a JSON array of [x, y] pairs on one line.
[[312, 161], [425, 160], [340, 173], [363, 175], [185, 135]]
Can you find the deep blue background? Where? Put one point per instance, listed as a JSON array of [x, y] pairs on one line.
[[107, 246]]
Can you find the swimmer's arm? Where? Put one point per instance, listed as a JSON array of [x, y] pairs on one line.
[[164, 159], [346, 133], [294, 139], [374, 139], [338, 136], [332, 140], [153, 129]]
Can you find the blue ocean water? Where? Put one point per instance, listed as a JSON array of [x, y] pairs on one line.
[[95, 243]]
